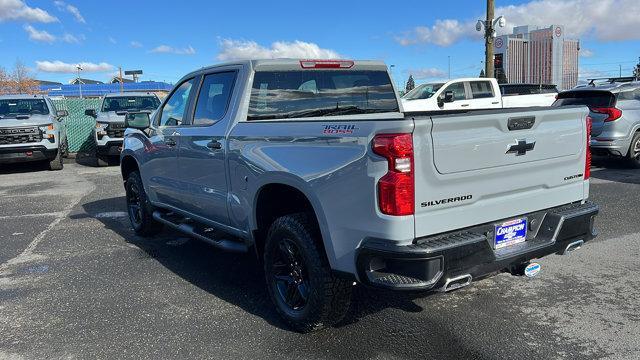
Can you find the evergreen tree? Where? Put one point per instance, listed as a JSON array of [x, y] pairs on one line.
[[482, 73], [411, 84]]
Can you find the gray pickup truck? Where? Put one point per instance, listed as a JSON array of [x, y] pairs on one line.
[[109, 129], [32, 129], [314, 166]]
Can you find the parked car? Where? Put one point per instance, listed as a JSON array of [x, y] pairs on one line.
[[476, 93], [109, 129], [615, 109], [311, 165], [32, 129]]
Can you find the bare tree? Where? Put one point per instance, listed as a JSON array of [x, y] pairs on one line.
[[22, 81], [4, 82]]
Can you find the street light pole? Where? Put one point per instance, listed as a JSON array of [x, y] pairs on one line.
[[79, 68], [488, 38]]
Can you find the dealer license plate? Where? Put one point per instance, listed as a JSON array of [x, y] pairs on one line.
[[510, 233]]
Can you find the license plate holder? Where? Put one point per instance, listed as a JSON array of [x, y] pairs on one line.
[[510, 233]]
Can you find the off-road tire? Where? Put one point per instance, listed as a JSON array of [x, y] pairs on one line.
[[633, 157], [57, 163], [102, 161], [142, 223], [328, 297]]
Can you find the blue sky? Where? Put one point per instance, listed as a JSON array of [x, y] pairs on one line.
[[167, 41]]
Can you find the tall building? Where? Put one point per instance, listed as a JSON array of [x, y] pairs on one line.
[[538, 56]]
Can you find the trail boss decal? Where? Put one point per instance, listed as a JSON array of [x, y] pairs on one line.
[[573, 177], [346, 129], [446, 201]]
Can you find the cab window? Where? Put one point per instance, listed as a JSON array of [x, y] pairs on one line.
[[176, 107], [214, 97], [458, 91], [481, 89]]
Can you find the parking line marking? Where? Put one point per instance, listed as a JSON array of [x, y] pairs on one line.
[[50, 214]]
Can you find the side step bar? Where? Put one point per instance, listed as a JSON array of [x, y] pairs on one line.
[[224, 244]]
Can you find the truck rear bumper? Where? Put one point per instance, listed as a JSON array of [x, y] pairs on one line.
[[17, 154], [431, 263]]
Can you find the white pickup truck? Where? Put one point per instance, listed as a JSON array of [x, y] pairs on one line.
[[476, 93]]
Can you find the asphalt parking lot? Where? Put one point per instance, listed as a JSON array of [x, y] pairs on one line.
[[76, 283]]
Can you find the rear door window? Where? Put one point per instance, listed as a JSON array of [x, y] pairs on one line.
[[590, 98], [481, 89], [302, 94], [214, 97]]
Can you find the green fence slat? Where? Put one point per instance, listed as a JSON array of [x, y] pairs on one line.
[[79, 126]]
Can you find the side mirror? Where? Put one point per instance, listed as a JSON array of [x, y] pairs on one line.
[[448, 97], [62, 113], [91, 112], [137, 120]]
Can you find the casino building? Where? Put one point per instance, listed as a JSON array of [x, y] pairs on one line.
[[536, 55]]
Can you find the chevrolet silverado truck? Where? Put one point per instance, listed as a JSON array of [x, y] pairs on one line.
[[477, 93], [32, 129], [109, 129], [313, 166]]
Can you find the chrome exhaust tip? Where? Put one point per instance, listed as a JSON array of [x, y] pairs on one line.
[[573, 246], [456, 283]]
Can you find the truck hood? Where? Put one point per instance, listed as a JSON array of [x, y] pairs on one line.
[[33, 120], [419, 105], [110, 117]]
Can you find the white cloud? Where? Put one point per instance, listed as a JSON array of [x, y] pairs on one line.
[[586, 53], [70, 68], [18, 10], [240, 49], [166, 49], [39, 35], [443, 33], [61, 5], [112, 40], [44, 36], [72, 39], [606, 20], [135, 44], [427, 73]]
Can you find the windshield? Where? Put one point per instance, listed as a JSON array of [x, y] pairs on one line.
[[291, 94], [127, 103], [423, 91], [16, 107]]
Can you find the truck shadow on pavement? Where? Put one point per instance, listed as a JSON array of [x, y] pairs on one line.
[[615, 170], [234, 278], [25, 167]]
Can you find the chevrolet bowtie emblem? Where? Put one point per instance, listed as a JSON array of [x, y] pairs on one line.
[[521, 147]]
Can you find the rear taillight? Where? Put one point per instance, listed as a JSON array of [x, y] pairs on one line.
[[396, 187], [612, 113], [587, 165]]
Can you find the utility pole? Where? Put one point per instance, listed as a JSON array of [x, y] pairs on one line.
[[620, 70], [488, 40], [121, 82]]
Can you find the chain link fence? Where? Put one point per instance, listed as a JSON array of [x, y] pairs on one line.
[[79, 126]]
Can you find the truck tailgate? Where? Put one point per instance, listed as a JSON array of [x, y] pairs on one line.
[[486, 166]]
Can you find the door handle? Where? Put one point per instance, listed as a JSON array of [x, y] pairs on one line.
[[170, 142], [214, 145], [464, 105]]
